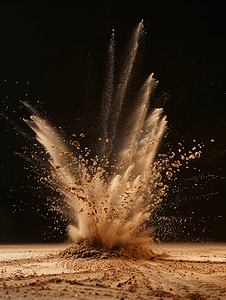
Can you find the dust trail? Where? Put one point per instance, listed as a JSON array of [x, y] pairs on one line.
[[121, 88], [108, 92]]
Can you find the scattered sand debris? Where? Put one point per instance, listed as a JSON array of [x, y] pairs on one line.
[[82, 135], [74, 135]]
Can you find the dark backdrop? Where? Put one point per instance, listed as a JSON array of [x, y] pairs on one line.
[[54, 56]]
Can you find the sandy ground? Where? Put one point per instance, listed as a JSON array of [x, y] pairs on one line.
[[184, 271]]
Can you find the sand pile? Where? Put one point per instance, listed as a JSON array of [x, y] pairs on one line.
[[83, 249]]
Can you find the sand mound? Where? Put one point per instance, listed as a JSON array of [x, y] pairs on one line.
[[83, 249]]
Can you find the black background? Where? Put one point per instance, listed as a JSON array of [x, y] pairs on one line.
[[60, 50]]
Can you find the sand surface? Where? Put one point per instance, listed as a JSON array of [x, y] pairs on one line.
[[184, 271]]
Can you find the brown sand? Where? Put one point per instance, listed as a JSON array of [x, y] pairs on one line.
[[176, 271]]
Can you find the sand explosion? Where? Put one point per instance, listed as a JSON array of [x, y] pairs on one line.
[[110, 197]]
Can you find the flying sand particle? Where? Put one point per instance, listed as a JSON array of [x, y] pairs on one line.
[[76, 144]]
